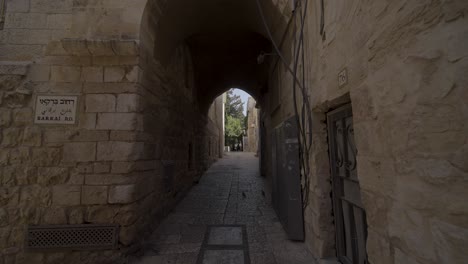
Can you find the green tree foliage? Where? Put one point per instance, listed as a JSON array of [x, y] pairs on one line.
[[233, 127], [234, 105], [235, 124]]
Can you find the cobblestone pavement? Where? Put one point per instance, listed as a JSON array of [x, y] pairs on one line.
[[226, 218]]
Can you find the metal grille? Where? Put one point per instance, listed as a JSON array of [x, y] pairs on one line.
[[350, 217], [72, 237]]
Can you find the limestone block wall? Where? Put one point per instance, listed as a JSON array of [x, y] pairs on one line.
[[406, 65], [252, 126], [107, 167]]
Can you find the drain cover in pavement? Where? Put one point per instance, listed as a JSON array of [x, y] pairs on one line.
[[225, 244]]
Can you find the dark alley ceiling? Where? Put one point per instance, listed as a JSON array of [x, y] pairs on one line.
[[225, 38]]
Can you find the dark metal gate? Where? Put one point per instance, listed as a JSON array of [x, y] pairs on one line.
[[350, 216], [286, 187]]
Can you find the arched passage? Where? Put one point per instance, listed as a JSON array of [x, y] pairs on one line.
[[142, 75], [190, 53], [222, 45]]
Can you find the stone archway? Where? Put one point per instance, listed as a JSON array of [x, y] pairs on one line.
[[186, 58]]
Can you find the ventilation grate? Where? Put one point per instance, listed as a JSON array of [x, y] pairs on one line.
[[77, 237]]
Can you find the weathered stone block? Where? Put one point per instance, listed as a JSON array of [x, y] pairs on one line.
[[122, 167], [8, 179], [19, 155], [66, 195], [147, 165], [54, 48], [101, 48], [28, 36], [93, 74], [25, 20], [122, 194], [111, 88], [117, 121], [84, 168], [11, 136], [3, 217], [94, 195], [4, 156], [450, 240], [30, 257], [108, 179], [127, 215], [52, 176], [20, 52], [413, 228], [401, 257], [128, 235], [125, 48], [39, 73], [18, 6], [5, 117], [106, 61], [100, 103], [101, 167], [54, 216], [9, 196], [79, 151], [128, 136], [114, 74], [129, 103], [100, 214], [13, 68], [132, 74], [77, 47], [119, 151], [75, 216], [22, 117], [75, 178], [51, 6], [61, 135], [44, 157], [35, 195], [88, 120], [32, 137], [59, 21], [19, 175], [378, 245], [459, 158], [65, 74]]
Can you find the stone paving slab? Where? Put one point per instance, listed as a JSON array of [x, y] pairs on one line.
[[230, 194], [225, 236], [223, 257]]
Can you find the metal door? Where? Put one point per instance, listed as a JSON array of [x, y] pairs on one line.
[[286, 191], [350, 216]]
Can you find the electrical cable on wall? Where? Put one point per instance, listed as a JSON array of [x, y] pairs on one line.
[[303, 117]]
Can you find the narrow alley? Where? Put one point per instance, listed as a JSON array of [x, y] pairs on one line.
[[118, 119], [226, 218]]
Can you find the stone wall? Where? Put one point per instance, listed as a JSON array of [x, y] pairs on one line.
[[252, 126], [107, 167], [139, 112], [405, 63]]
